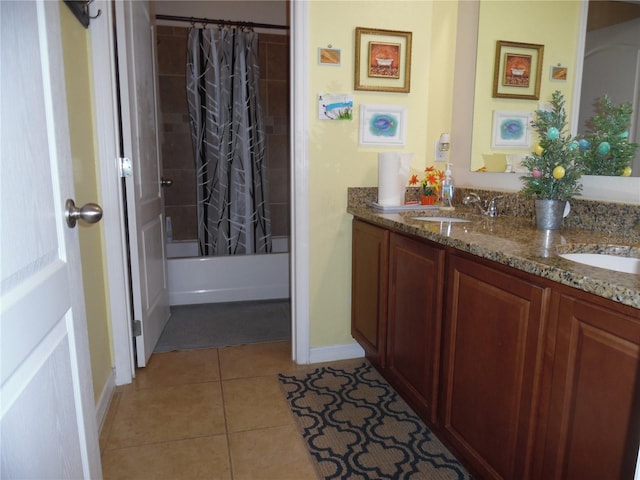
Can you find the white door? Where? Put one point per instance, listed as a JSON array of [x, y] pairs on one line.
[[136, 62], [47, 414]]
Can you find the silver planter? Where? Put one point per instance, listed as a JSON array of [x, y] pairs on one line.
[[549, 213]]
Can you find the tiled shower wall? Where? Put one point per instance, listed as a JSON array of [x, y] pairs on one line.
[[177, 154]]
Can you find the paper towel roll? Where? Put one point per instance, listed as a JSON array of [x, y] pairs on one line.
[[393, 174]]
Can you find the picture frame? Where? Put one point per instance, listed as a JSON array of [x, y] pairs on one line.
[[517, 70], [382, 125], [329, 56], [511, 129], [558, 73], [383, 60]]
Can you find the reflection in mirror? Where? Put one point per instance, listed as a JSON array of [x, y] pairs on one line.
[[603, 69], [611, 67]]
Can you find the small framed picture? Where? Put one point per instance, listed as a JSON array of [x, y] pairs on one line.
[[558, 74], [329, 56], [383, 60], [511, 129], [518, 70], [382, 125]]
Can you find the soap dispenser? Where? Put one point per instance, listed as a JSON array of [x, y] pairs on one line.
[[447, 190]]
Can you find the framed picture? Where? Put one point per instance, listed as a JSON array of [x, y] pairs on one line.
[[511, 129], [329, 56], [558, 74], [518, 70], [383, 60], [382, 125]]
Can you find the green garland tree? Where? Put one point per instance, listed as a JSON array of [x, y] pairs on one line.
[[555, 166], [607, 150]]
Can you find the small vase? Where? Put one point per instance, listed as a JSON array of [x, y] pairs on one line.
[[427, 199], [549, 213]]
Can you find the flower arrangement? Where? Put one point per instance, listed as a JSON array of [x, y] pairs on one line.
[[431, 182], [556, 165]]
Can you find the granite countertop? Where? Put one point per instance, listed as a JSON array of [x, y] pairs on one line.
[[517, 242]]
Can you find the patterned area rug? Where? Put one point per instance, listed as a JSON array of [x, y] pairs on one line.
[[357, 427]]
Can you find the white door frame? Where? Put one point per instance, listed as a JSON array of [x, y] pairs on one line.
[[104, 77]]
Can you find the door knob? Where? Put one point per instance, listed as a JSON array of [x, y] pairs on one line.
[[165, 182], [90, 213]]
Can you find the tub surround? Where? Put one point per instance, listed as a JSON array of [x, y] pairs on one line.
[[513, 240]]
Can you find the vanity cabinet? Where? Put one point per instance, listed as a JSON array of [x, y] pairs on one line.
[[416, 274], [492, 365], [369, 273], [521, 377], [593, 421]]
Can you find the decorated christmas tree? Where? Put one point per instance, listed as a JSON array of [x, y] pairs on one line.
[[555, 166], [606, 147]]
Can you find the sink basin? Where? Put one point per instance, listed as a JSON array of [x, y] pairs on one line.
[[610, 262], [442, 219]]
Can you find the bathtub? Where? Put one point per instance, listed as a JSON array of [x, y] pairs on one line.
[[194, 279]]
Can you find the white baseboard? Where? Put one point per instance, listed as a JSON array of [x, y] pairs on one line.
[[335, 352], [102, 406]]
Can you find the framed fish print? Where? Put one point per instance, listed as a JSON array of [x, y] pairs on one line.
[[382, 125], [511, 129]]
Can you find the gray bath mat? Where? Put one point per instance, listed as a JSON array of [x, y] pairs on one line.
[[224, 324]]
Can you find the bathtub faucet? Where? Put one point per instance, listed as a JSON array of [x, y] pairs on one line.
[[489, 208]]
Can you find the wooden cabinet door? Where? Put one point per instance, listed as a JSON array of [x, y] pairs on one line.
[[492, 362], [416, 272], [369, 269], [593, 425]]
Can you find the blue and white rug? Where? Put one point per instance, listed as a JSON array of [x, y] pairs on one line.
[[357, 427]]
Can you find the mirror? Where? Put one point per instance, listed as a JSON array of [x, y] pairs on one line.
[[611, 28]]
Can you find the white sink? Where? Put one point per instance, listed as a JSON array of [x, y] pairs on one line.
[[610, 262], [442, 219]]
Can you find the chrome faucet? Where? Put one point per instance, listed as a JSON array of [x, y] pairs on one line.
[[489, 208]]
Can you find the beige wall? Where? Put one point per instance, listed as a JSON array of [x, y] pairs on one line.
[[75, 43], [337, 162]]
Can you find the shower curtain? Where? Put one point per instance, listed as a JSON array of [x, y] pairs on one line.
[[223, 91]]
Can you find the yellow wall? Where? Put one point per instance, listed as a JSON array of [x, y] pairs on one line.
[[336, 161], [76, 46], [552, 24]]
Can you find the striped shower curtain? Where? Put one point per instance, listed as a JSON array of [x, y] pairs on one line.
[[223, 91]]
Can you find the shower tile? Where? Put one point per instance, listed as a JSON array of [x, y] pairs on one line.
[[277, 62], [172, 51], [282, 455], [162, 414], [253, 403], [194, 458], [183, 191], [280, 219], [278, 151], [255, 360], [179, 368], [278, 185], [172, 96], [183, 221], [278, 98], [177, 151]]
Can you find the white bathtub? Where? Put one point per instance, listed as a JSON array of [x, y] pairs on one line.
[[194, 279]]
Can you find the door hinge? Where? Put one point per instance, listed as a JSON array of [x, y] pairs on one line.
[[137, 328], [124, 166]]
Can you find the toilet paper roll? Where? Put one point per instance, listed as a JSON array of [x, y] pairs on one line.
[[393, 171]]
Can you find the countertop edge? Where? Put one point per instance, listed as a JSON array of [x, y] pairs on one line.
[[576, 277]]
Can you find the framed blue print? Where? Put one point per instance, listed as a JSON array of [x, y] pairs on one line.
[[382, 125], [511, 129]]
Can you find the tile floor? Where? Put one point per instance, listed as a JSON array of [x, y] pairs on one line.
[[215, 413]]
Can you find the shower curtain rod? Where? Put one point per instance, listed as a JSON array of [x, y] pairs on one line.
[[194, 20]]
